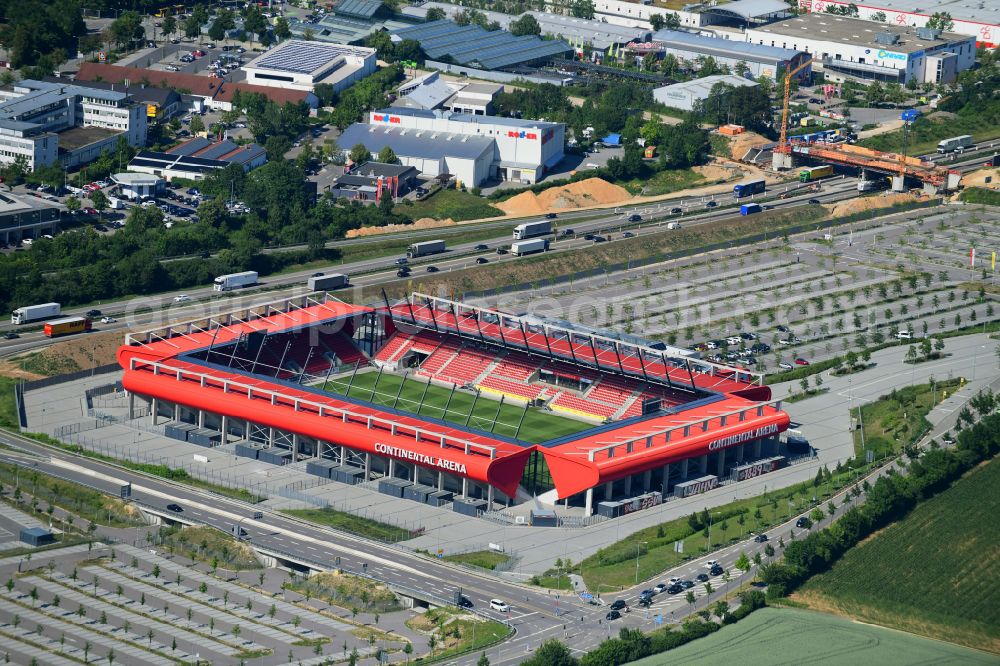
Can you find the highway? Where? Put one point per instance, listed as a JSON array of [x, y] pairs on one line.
[[155, 310]]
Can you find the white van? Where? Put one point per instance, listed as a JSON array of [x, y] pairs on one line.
[[499, 606]]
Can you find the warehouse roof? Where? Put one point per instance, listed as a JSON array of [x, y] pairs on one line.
[[472, 45], [830, 28], [749, 9], [304, 57], [415, 143], [470, 118], [987, 13], [724, 47], [700, 88]]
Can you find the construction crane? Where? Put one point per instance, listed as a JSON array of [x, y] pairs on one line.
[[783, 141]]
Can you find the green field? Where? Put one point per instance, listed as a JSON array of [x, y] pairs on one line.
[[538, 426], [935, 573], [899, 419], [784, 636]]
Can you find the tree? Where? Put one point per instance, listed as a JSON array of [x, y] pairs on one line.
[[254, 22], [483, 660], [387, 156], [941, 21], [192, 26], [435, 14], [582, 9], [690, 597], [100, 201], [526, 25], [127, 29], [359, 153], [743, 562], [551, 653], [878, 17], [281, 29], [721, 609], [169, 26], [197, 125]]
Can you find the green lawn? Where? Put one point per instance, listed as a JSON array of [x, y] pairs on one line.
[[936, 572], [898, 419], [538, 426], [456, 204], [484, 559], [665, 182], [348, 522], [790, 636], [8, 406]]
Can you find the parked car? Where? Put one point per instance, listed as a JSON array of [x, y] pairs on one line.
[[785, 365], [801, 361]]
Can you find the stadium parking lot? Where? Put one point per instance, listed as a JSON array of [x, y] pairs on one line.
[[808, 299]]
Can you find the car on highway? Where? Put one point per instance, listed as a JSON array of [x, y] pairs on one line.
[[482, 260], [801, 361], [785, 365], [628, 234], [183, 298], [402, 261], [176, 508], [676, 211], [93, 313], [618, 604], [320, 274], [612, 615], [803, 521], [814, 201], [760, 538], [702, 577], [403, 272], [550, 216], [588, 237], [432, 269], [568, 232], [481, 246], [599, 239], [108, 320], [499, 605], [11, 335], [465, 602], [635, 218], [711, 204]]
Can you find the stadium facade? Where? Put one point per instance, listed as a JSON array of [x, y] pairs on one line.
[[286, 378]]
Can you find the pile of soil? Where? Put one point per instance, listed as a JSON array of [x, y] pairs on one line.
[[715, 173], [741, 143], [978, 178], [870, 203], [422, 223], [581, 194]]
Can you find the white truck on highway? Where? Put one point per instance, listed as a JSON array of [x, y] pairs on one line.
[[955, 143], [30, 313], [529, 247], [235, 281], [331, 281], [532, 229], [424, 248]]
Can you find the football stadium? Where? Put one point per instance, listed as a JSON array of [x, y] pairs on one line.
[[444, 402]]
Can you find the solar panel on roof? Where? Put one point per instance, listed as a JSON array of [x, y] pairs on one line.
[[301, 57], [472, 44]]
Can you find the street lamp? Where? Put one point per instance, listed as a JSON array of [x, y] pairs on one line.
[[641, 543]]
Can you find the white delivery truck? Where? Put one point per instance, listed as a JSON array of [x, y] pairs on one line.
[[532, 229], [955, 143], [30, 313], [424, 248], [235, 281], [331, 281], [529, 247]]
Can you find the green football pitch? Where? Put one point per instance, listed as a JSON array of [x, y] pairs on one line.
[[792, 637], [538, 426]]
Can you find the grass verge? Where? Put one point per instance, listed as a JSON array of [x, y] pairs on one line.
[[209, 545], [454, 204], [346, 591], [484, 559], [899, 419], [451, 632], [347, 522]]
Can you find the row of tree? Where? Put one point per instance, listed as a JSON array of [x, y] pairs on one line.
[[889, 499]]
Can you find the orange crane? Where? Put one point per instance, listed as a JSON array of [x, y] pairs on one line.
[[783, 141]]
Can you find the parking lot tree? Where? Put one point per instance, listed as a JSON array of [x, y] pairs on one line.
[[197, 125], [276, 146], [192, 26], [436, 14], [100, 201], [254, 22], [72, 204], [359, 153], [169, 26], [281, 29]]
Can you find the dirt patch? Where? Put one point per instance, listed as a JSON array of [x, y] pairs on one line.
[[870, 203], [978, 178], [714, 172], [741, 143], [81, 352], [584, 193], [422, 223]]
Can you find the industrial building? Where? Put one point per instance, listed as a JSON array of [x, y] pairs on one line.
[[761, 60], [373, 180], [685, 96], [978, 18], [648, 423], [302, 65], [431, 91], [521, 150], [849, 48], [138, 185], [196, 158], [26, 217], [44, 123], [473, 46], [350, 22], [162, 104]]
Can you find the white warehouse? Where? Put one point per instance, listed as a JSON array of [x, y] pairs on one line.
[[515, 150], [301, 65], [849, 48]]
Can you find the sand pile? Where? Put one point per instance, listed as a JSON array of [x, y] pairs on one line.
[[741, 143], [715, 173], [422, 223], [978, 178], [870, 203], [584, 193]]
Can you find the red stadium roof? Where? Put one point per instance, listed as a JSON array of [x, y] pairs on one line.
[[722, 410]]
